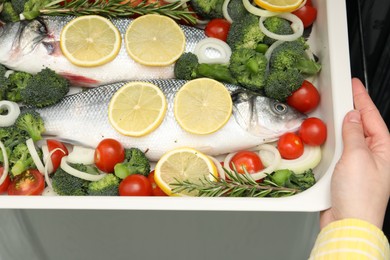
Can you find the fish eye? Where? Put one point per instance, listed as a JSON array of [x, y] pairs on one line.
[[280, 108]]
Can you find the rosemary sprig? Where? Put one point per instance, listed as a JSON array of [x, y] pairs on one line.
[[116, 8], [237, 185]]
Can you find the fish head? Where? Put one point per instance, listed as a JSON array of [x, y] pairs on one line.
[[265, 117], [21, 41]]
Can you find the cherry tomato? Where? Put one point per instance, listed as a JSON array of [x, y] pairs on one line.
[[290, 146], [5, 184], [156, 189], [305, 99], [57, 155], [108, 153], [307, 14], [30, 182], [309, 3], [218, 28], [248, 160], [313, 131], [135, 185]]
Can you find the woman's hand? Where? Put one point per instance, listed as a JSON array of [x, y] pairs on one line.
[[361, 180]]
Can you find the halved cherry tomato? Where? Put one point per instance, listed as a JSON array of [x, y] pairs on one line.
[[135, 185], [313, 131], [5, 184], [305, 99], [57, 155], [30, 182], [307, 14], [248, 160], [108, 153], [218, 28], [156, 189], [290, 146]]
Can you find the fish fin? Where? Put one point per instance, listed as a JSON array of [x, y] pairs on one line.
[[80, 81]]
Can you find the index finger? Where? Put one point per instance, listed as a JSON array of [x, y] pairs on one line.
[[373, 122]]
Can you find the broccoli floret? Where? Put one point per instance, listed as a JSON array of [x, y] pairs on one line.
[[281, 83], [303, 181], [248, 67], [18, 5], [31, 122], [4, 83], [17, 81], [237, 10], [292, 55], [208, 9], [287, 178], [276, 25], [245, 33], [8, 14], [12, 136], [135, 162], [107, 186], [69, 185], [32, 7], [188, 67], [20, 159], [44, 89]]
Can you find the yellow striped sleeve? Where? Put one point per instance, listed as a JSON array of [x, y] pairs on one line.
[[351, 239]]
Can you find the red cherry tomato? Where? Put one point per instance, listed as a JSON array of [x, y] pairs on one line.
[[156, 189], [309, 3], [307, 14], [108, 153], [313, 131], [218, 28], [5, 184], [305, 99], [30, 182], [290, 146], [57, 155], [248, 160], [135, 185]]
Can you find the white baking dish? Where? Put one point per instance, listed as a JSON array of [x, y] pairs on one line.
[[329, 41]]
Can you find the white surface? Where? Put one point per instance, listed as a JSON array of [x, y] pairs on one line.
[[329, 41]]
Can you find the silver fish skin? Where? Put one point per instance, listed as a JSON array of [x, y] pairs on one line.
[[33, 45], [83, 118]]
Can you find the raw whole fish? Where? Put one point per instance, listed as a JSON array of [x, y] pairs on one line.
[[33, 45], [83, 118]]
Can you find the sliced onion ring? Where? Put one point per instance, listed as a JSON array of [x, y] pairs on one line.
[[260, 174], [215, 44], [13, 112], [310, 158], [296, 25], [257, 11], [81, 154], [221, 171], [35, 156], [79, 174], [49, 164], [271, 48], [225, 11], [5, 165]]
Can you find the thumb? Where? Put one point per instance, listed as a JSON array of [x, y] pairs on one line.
[[353, 134]]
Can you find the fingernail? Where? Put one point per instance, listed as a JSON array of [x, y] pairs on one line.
[[354, 117]]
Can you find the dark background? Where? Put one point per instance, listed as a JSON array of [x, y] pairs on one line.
[[369, 40]]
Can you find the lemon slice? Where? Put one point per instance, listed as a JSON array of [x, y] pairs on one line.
[[279, 5], [137, 108], [183, 164], [90, 40], [154, 40], [202, 106]]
